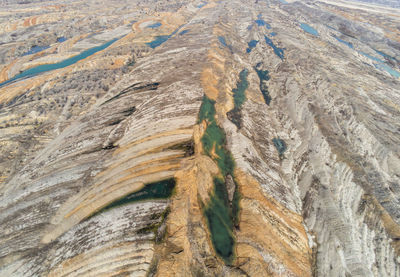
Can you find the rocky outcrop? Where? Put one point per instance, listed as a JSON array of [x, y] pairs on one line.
[[175, 151]]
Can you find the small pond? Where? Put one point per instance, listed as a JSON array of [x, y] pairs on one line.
[[67, 62], [307, 28]]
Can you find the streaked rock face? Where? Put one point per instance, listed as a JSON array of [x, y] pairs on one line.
[[219, 138]]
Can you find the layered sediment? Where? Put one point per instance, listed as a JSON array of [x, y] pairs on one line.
[[179, 150]]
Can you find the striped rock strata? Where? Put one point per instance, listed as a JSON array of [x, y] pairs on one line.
[[221, 139]]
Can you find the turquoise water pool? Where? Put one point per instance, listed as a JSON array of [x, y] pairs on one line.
[[67, 62], [155, 25], [278, 51], [222, 41], [251, 44], [380, 64], [388, 69], [158, 41], [35, 49], [349, 44], [371, 57], [260, 22], [307, 28], [184, 32], [161, 39]]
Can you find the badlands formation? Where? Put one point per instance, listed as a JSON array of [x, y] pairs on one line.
[[199, 138]]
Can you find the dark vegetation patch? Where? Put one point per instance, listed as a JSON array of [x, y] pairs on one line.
[[264, 77], [129, 111], [154, 228], [153, 267], [134, 88], [280, 145], [67, 97], [187, 147], [109, 146], [96, 82], [235, 116], [115, 122], [131, 63], [119, 118]]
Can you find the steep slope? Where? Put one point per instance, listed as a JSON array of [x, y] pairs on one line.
[[220, 138]]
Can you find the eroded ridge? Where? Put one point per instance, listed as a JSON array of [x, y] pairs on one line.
[[210, 138]]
